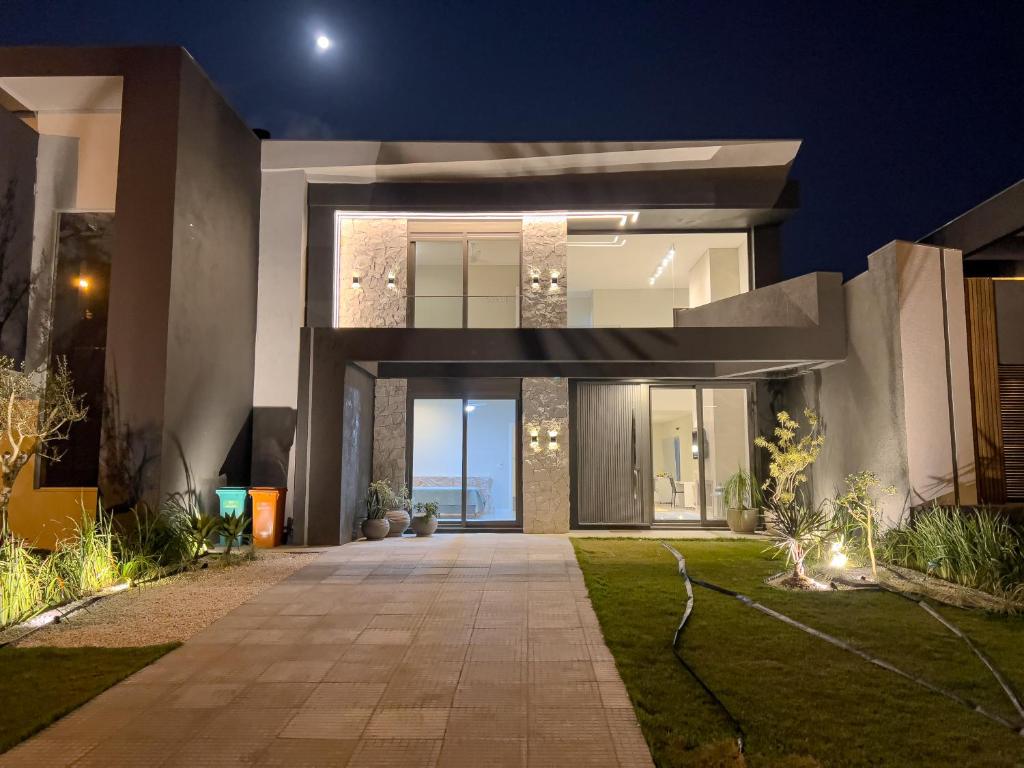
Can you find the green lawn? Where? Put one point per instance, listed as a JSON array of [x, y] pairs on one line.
[[39, 685], [800, 701]]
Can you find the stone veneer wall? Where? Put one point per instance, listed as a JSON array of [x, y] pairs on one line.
[[389, 430], [546, 471], [372, 249], [544, 252]]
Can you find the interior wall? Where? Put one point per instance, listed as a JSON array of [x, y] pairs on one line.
[[637, 308], [212, 319]]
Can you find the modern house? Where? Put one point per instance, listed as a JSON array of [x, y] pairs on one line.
[[534, 336]]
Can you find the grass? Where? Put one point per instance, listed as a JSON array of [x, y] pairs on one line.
[[41, 685], [800, 701]]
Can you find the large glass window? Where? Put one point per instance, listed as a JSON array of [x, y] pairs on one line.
[[470, 282], [623, 281]]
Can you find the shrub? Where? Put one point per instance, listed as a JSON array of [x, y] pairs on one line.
[[977, 549], [21, 593], [856, 513]]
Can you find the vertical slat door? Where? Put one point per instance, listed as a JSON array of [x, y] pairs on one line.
[[614, 481]]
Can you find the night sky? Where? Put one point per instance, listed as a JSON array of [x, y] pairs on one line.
[[910, 112]]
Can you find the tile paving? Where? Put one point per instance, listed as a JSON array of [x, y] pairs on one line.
[[458, 650]]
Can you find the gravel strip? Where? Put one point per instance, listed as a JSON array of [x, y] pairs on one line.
[[172, 609]]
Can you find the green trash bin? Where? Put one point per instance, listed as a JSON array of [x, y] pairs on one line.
[[232, 502]]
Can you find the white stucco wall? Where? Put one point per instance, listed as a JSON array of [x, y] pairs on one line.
[[886, 408], [280, 310]]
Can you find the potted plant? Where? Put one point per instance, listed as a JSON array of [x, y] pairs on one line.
[[376, 525], [424, 522], [397, 506], [743, 501]]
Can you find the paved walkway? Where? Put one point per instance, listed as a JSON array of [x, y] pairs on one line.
[[460, 650]]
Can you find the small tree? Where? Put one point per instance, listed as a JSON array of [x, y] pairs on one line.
[[34, 415], [796, 528], [790, 456], [859, 505]]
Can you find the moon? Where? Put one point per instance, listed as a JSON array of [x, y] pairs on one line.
[[323, 42]]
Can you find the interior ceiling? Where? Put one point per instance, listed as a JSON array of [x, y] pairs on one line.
[[61, 94], [631, 265]]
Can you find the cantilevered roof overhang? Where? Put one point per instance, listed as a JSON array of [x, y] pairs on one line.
[[677, 185]]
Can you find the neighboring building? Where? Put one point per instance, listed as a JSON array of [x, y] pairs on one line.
[[991, 238], [144, 260], [535, 336]]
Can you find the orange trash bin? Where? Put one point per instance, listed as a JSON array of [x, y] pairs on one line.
[[267, 516]]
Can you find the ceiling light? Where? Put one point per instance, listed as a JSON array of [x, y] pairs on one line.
[[622, 216], [470, 408], [665, 261]]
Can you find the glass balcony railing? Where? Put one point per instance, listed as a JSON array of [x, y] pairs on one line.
[[478, 311]]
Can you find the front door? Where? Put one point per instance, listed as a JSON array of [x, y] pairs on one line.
[[612, 455]]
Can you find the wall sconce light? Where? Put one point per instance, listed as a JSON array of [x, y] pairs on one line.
[[391, 281], [82, 283], [355, 283], [535, 281], [552, 440], [554, 281], [535, 439]]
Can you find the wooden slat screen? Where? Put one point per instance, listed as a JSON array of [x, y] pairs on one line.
[[1011, 406], [983, 354]]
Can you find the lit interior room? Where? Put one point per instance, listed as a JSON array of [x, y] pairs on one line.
[[636, 281]]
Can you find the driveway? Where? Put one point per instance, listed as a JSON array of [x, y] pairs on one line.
[[459, 650]]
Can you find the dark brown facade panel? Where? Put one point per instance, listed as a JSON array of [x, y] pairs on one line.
[[983, 355]]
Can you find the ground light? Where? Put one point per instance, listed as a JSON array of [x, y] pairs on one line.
[[839, 558]]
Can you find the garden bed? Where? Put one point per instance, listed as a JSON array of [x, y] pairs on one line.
[[171, 609]]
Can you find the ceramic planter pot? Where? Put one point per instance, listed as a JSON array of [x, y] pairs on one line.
[[742, 520], [376, 529], [399, 521], [423, 525]]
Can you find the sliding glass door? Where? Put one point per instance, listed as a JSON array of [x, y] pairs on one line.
[[700, 436], [465, 459], [653, 453]]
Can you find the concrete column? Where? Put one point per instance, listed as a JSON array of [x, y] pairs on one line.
[[545, 469], [545, 241], [279, 316]]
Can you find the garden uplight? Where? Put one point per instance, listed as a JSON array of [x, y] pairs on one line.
[[839, 558]]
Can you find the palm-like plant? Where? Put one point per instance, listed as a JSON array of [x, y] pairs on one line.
[[743, 491], [232, 528], [798, 531]]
